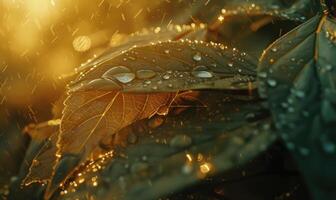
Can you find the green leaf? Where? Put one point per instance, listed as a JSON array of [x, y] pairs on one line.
[[145, 37], [201, 141], [172, 66], [299, 10], [12, 147], [297, 75]]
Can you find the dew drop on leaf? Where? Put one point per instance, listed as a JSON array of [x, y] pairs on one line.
[[115, 70], [166, 76], [124, 77], [202, 74], [145, 74], [197, 57]]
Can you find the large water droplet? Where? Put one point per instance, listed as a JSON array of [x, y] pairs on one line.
[[115, 70], [124, 77], [201, 72], [145, 74]]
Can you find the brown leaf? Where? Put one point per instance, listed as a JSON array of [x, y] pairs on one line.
[[41, 168], [91, 115]]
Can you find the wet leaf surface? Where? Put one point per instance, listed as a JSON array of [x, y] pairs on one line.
[[297, 76], [120, 43], [180, 152], [172, 66]]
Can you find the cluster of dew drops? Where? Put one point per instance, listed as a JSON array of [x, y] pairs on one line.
[[125, 76]]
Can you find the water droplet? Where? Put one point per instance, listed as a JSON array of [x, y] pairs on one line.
[[180, 141], [197, 57], [124, 77], [115, 70], [145, 74], [166, 76], [200, 72], [329, 67], [272, 82], [274, 49]]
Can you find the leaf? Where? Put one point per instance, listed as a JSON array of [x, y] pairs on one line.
[[89, 117], [146, 37], [297, 76], [187, 148], [172, 66], [98, 105], [41, 165], [299, 10], [12, 147]]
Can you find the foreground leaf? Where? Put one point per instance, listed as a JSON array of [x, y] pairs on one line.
[[145, 37], [187, 148], [89, 117], [172, 66], [297, 76], [98, 107]]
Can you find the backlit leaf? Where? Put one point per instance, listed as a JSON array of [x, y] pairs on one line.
[[172, 66], [229, 131], [122, 43]]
